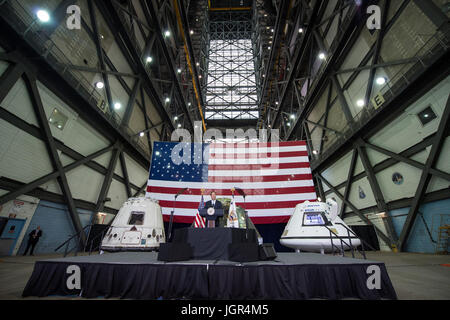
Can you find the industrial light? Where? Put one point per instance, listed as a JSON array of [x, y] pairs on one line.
[[269, 47], [267, 28], [200, 76], [276, 102], [179, 125], [360, 103], [197, 64], [293, 116], [300, 30], [265, 15], [322, 56], [167, 100], [319, 199], [288, 124], [43, 15], [99, 85], [381, 80], [141, 134], [175, 118], [149, 59], [179, 70], [191, 32], [189, 104], [272, 30], [167, 33], [315, 152], [117, 105]]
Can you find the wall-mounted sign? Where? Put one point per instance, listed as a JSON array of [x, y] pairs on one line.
[[397, 178], [362, 194], [378, 101]]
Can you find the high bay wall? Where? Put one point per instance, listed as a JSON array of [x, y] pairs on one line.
[[373, 106]]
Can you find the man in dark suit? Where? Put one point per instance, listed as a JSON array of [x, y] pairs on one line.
[[33, 239], [213, 203]]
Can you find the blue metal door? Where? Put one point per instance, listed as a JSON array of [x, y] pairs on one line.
[[12, 231]]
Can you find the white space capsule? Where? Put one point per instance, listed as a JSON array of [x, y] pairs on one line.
[[138, 226], [315, 226]]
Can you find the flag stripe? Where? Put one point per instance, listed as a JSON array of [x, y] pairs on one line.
[[260, 161], [249, 198], [227, 192], [259, 166], [261, 178], [250, 155], [255, 220], [241, 150], [258, 144], [256, 173], [248, 205], [226, 185]]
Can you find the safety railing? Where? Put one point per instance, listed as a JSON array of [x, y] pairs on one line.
[[432, 50], [78, 246], [349, 244]]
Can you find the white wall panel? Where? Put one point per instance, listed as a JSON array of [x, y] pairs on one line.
[[375, 157], [104, 159], [77, 134], [338, 172], [117, 194], [437, 183], [18, 102], [85, 183], [52, 186], [22, 157], [406, 131], [137, 174]]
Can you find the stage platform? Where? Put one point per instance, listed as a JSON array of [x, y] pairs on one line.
[[138, 275]]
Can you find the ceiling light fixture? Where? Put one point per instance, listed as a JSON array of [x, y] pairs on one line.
[[43, 15]]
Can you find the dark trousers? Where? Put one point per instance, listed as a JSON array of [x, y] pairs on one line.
[[31, 244]]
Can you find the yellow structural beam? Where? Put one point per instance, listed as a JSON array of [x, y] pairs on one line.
[[188, 59]]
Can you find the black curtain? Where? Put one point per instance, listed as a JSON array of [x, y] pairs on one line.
[[369, 235], [3, 222]]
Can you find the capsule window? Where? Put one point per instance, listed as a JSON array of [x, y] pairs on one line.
[[136, 218]]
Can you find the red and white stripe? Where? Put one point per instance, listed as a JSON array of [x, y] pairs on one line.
[[199, 221], [275, 178]]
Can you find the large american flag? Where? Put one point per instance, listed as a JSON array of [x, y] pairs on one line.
[[276, 177]]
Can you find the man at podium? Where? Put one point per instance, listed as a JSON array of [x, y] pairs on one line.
[[213, 203]]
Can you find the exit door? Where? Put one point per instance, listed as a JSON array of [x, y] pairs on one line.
[[10, 235]]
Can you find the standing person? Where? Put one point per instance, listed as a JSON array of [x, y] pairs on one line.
[[213, 203], [33, 239]]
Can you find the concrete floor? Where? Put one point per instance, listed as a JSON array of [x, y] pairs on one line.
[[414, 276]]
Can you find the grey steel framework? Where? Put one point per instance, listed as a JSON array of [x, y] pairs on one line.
[[230, 90], [40, 58], [290, 93]]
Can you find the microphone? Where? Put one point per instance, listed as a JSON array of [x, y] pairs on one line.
[[240, 191]]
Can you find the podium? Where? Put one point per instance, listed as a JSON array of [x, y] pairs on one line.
[[211, 215]]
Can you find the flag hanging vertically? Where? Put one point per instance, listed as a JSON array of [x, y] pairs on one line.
[[199, 221], [233, 221], [276, 177]]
